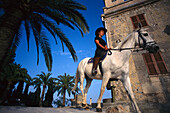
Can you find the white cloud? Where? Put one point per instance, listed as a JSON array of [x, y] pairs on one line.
[[70, 57], [79, 51], [61, 53], [64, 53]]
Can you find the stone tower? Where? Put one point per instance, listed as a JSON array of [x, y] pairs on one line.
[[149, 73]]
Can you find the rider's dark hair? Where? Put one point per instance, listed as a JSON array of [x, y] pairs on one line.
[[99, 29]]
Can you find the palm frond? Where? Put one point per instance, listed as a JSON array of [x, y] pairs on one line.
[[78, 18], [46, 23], [61, 36], [62, 12], [48, 75], [66, 41], [27, 28], [46, 50], [56, 16], [73, 14], [36, 27], [17, 37]]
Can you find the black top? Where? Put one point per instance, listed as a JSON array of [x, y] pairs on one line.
[[100, 52], [101, 41]]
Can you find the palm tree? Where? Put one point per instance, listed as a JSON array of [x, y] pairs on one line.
[[34, 98], [65, 83], [34, 15], [6, 65], [23, 74], [52, 88], [10, 74], [44, 80], [37, 82], [28, 83]]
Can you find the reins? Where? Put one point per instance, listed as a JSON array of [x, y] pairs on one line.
[[121, 49]]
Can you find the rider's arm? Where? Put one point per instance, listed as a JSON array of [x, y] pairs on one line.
[[97, 42]]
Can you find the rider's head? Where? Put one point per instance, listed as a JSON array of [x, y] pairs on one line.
[[100, 31]]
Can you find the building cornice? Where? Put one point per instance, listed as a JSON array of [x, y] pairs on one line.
[[117, 4], [126, 8]]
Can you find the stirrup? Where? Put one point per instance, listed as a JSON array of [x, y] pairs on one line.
[[94, 72]]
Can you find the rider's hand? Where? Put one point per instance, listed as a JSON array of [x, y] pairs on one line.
[[105, 48]]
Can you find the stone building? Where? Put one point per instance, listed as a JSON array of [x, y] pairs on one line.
[[149, 74]]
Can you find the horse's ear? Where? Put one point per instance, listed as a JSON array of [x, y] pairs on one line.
[[139, 25]]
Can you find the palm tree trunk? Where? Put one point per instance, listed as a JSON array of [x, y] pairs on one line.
[[26, 90], [42, 95], [8, 27], [20, 89], [64, 97], [6, 93], [36, 100]]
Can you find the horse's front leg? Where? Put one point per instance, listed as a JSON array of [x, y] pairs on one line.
[[104, 83]]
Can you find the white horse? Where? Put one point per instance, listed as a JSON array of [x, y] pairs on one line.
[[115, 66]]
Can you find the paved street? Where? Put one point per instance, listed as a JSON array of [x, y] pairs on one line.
[[19, 109]]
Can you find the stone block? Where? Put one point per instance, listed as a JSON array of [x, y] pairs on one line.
[[147, 88], [79, 99], [153, 87], [151, 111], [118, 109], [157, 87], [154, 79]]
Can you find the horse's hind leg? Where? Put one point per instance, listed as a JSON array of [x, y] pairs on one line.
[[82, 76], [88, 83], [128, 88]]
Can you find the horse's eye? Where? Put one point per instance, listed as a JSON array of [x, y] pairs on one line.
[[145, 34], [118, 41]]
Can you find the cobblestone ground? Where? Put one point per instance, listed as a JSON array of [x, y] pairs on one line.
[[19, 109]]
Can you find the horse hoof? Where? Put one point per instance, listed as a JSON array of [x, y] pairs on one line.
[[83, 105], [87, 108], [98, 109]]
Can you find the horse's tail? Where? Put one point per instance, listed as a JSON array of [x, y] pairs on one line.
[[76, 81]]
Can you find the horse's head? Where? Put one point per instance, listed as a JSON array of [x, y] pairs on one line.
[[144, 40]]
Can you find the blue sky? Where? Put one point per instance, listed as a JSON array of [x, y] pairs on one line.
[[63, 62]]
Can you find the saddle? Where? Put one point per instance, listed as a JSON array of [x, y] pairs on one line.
[[92, 59]]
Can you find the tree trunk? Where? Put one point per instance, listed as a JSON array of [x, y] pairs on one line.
[[9, 26], [36, 100], [64, 97], [19, 90], [6, 93], [3, 85], [42, 95], [25, 94], [26, 90]]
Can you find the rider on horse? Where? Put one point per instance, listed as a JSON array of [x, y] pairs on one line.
[[101, 48]]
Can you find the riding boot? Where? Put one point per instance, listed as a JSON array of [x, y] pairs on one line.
[[95, 62]]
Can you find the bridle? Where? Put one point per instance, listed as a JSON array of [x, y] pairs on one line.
[[141, 47]]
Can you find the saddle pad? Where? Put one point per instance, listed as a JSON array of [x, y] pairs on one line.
[[92, 59]]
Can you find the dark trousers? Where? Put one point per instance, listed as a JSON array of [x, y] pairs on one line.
[[95, 62]]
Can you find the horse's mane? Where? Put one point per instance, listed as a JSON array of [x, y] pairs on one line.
[[124, 41]]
